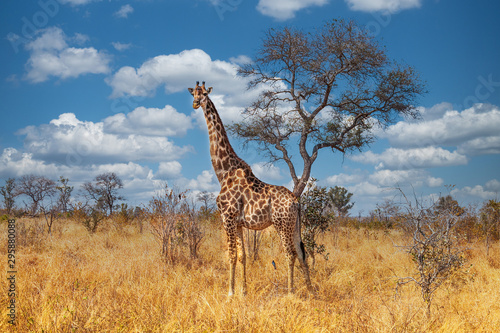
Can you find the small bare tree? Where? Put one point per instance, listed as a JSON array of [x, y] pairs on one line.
[[174, 223], [36, 188], [190, 227], [90, 217], [8, 193], [434, 246], [490, 222], [51, 212], [104, 191]]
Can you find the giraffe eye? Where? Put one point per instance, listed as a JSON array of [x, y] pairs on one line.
[[205, 94]]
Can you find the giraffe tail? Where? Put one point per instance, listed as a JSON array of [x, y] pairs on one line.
[[298, 225]]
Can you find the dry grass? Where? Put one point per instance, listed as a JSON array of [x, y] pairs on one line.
[[117, 282]]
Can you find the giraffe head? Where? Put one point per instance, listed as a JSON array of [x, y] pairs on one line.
[[200, 94]]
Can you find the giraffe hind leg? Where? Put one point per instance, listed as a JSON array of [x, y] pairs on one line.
[[232, 253], [241, 258], [299, 246]]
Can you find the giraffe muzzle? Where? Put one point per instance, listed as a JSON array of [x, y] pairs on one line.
[[196, 105]]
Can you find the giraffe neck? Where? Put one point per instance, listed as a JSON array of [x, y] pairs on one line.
[[224, 158]]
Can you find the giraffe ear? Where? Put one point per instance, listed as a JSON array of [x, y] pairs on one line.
[[209, 90], [191, 91]]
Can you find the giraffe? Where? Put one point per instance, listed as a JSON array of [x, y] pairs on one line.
[[246, 201]]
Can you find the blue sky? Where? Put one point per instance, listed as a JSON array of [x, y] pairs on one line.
[[91, 86]]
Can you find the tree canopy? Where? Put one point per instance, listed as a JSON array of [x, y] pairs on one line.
[[325, 89]]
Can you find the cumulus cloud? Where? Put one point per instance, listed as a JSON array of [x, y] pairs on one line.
[[206, 181], [71, 141], [390, 6], [343, 179], [121, 46], [149, 122], [241, 60], [124, 11], [286, 9], [50, 55], [473, 131], [395, 178], [365, 189], [126, 171], [435, 112], [266, 172], [395, 158], [176, 72], [77, 2], [481, 146], [14, 163], [473, 192], [493, 185], [169, 170]]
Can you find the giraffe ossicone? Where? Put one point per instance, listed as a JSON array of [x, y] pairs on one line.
[[245, 201]]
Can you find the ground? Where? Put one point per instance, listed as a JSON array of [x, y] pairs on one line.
[[116, 281]]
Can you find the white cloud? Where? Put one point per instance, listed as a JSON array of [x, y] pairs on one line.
[[126, 171], [77, 2], [80, 38], [493, 185], [394, 158], [481, 146], [365, 189], [14, 163], [176, 72], [149, 122], [434, 182], [473, 131], [51, 56], [169, 170], [286, 9], [124, 11], [435, 112], [204, 182], [390, 6], [396, 178], [121, 46], [241, 60], [473, 192], [68, 140], [343, 179], [266, 172], [139, 182]]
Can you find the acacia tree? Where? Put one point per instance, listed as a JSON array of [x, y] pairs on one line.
[[326, 90], [8, 193], [315, 219], [37, 188], [104, 190], [64, 193], [340, 199]]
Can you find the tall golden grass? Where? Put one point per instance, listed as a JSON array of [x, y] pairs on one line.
[[117, 281]]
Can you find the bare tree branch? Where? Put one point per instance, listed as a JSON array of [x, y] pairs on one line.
[[325, 89]]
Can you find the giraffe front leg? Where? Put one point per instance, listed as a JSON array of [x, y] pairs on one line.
[[231, 242], [242, 258], [288, 248]]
